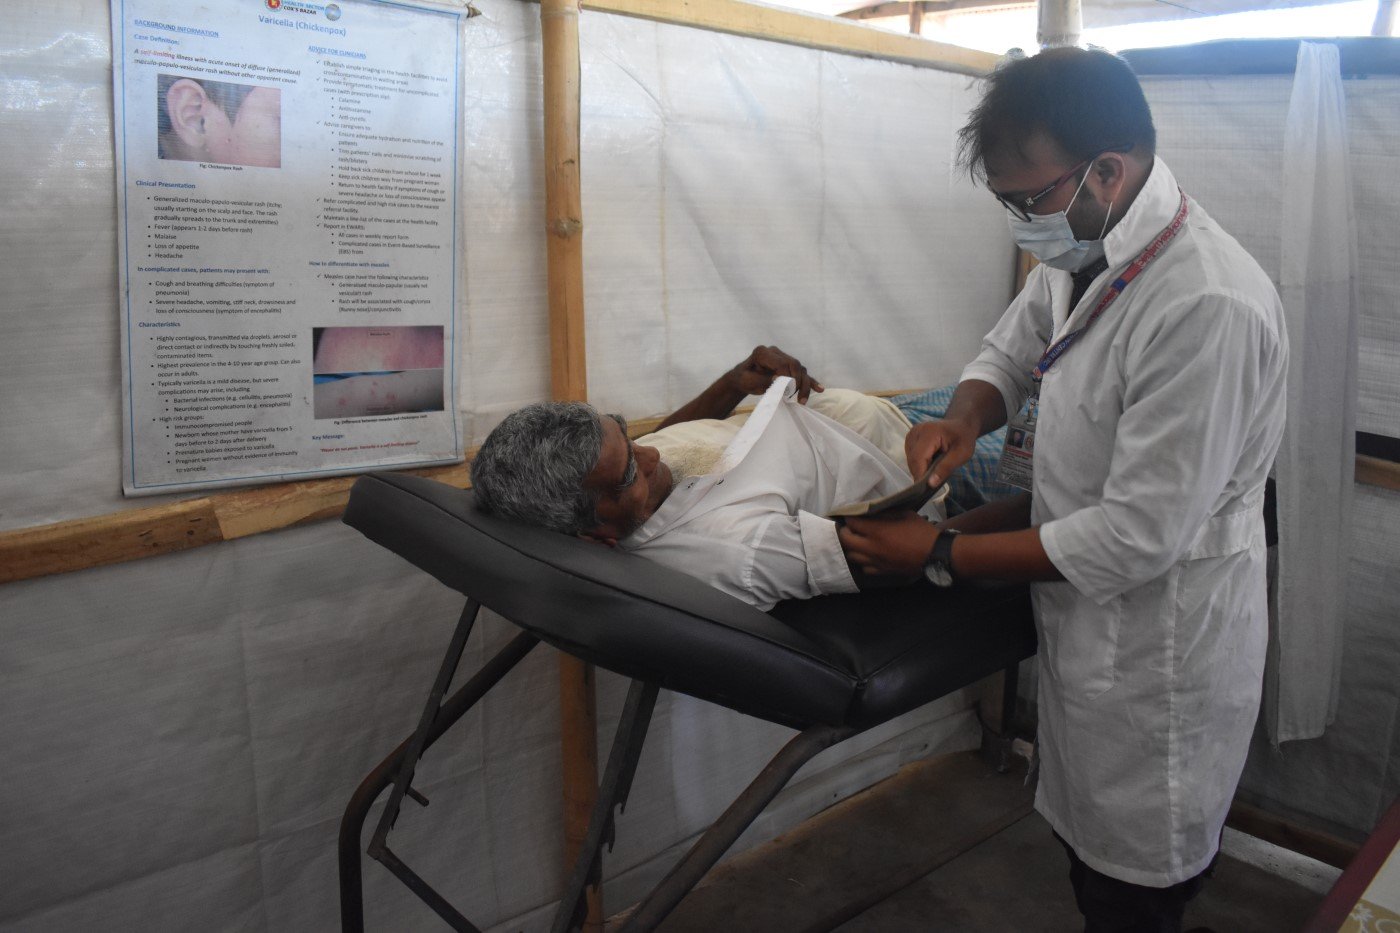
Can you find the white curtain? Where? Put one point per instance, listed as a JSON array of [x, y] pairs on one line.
[[1316, 463]]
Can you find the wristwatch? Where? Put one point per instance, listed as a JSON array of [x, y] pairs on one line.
[[938, 568]]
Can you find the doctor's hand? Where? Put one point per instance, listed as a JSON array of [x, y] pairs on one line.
[[950, 443], [896, 545], [754, 375]]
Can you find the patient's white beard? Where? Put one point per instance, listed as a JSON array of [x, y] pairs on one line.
[[687, 460]]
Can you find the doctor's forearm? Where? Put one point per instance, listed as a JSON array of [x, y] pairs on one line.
[[1011, 514], [977, 404], [1008, 555]]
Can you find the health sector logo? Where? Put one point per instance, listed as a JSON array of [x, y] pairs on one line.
[[332, 10]]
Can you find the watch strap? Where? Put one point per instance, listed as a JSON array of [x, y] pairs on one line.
[[942, 551]]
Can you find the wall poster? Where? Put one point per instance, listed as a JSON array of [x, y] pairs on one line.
[[287, 200]]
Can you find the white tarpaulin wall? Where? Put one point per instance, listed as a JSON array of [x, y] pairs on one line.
[[1224, 139], [182, 733], [1120, 12], [735, 192], [1113, 12]]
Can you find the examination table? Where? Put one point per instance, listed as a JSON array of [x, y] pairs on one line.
[[830, 667]]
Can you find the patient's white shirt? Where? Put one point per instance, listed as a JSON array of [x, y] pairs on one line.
[[754, 525]]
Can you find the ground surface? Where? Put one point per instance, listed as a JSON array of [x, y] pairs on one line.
[[950, 845]]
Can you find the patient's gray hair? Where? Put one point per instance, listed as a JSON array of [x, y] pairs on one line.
[[532, 466]]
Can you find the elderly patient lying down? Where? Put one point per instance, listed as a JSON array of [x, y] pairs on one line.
[[739, 503]]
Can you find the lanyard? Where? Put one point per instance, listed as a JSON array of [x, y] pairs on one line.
[[1058, 348]]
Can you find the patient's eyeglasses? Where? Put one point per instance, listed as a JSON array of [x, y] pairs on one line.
[[629, 474]]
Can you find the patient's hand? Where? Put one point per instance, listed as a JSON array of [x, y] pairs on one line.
[[754, 375]]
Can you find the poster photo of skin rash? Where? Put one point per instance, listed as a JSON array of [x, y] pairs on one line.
[[365, 371], [287, 228]]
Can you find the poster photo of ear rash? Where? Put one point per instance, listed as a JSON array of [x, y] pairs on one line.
[[199, 120]]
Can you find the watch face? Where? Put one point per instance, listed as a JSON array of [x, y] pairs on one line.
[[938, 573]]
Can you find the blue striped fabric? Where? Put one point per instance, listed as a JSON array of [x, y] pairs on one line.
[[976, 483]]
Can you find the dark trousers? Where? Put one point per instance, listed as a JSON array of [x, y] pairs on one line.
[[1113, 906]]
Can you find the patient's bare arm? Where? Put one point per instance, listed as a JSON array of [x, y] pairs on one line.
[[751, 377]]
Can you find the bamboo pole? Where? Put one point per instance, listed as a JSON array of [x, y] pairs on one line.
[[578, 728], [563, 200], [1025, 262]]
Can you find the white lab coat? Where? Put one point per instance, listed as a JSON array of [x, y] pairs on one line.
[[754, 527], [1156, 433]]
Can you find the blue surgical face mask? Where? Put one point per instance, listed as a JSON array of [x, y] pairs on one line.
[[1051, 240]]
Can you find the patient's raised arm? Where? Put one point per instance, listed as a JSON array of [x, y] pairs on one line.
[[752, 376]]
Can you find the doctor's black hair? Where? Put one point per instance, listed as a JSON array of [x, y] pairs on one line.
[[1086, 101]]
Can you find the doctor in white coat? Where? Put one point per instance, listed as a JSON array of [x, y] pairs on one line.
[[1153, 349]]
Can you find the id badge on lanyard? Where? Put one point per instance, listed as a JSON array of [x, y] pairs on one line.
[[1016, 466], [1017, 463]]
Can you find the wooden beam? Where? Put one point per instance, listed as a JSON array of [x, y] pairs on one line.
[[133, 534], [1373, 471], [107, 539], [793, 28], [892, 8], [916, 18], [1270, 827], [887, 10]]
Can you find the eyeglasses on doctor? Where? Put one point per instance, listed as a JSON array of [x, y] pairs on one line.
[[1020, 207]]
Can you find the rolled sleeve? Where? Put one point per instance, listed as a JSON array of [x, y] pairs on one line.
[[994, 370], [827, 570], [1013, 346], [784, 557]]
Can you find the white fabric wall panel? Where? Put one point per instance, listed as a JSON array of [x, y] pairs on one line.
[[1351, 775], [917, 261], [743, 202], [738, 192], [58, 290], [1372, 108], [1223, 138], [184, 733], [505, 315], [625, 300]]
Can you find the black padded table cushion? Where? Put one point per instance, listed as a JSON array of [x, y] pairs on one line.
[[838, 660]]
